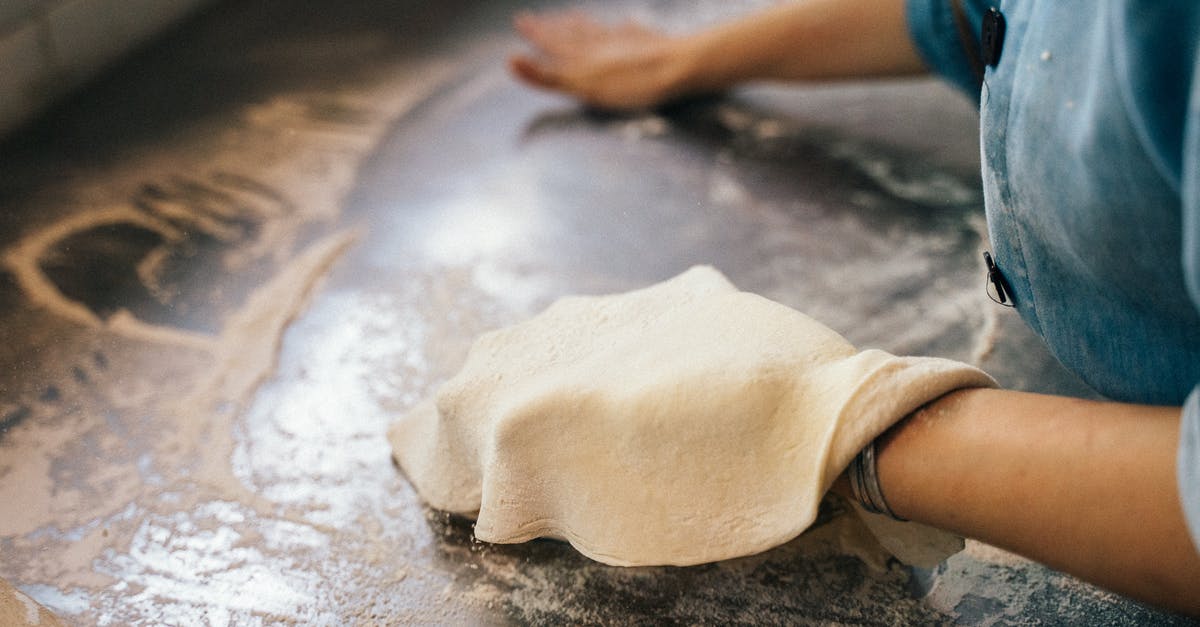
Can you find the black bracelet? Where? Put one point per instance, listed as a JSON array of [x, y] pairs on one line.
[[864, 483]]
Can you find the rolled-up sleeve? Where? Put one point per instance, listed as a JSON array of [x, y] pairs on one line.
[[931, 26]]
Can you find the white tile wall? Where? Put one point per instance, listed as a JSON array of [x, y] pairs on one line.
[[48, 47]]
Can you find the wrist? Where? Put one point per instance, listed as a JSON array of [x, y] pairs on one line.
[[879, 477], [909, 464], [863, 476], [697, 68]]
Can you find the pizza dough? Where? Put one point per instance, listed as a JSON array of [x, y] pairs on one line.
[[683, 423]]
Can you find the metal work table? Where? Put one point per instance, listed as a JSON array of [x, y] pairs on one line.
[[228, 265]]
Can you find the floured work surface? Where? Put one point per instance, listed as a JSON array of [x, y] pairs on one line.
[[226, 268]]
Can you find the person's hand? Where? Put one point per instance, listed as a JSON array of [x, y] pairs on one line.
[[683, 423], [621, 67]]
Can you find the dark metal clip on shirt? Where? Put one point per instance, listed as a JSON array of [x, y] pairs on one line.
[[992, 36], [996, 281]]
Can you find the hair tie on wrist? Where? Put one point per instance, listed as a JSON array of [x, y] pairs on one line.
[[864, 483]]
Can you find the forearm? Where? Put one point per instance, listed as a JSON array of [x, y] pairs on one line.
[[803, 40], [1085, 487]]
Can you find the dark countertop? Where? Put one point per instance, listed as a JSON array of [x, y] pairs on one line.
[[231, 262]]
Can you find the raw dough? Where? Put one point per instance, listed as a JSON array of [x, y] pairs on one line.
[[683, 423]]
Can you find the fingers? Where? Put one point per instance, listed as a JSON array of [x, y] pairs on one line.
[[634, 28], [535, 72], [601, 65], [555, 34], [565, 33], [558, 38]]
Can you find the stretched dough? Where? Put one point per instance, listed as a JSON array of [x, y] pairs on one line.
[[683, 423]]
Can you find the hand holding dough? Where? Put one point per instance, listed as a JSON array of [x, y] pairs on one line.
[[683, 423]]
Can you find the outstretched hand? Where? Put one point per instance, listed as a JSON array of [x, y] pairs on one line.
[[628, 66], [623, 67]]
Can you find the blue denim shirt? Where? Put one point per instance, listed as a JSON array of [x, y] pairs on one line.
[[1090, 136]]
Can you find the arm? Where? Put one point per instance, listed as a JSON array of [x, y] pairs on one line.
[[630, 66], [1085, 487], [816, 39]]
